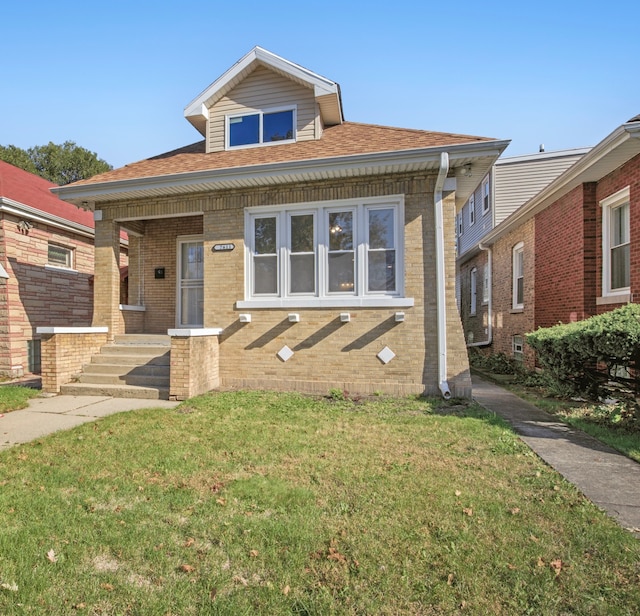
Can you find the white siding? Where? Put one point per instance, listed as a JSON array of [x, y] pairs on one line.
[[263, 89], [518, 181]]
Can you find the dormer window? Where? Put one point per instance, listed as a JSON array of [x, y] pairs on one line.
[[265, 127]]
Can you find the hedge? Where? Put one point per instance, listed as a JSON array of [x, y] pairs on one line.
[[587, 354]]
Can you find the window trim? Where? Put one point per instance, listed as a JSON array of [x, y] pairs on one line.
[[487, 200], [517, 347], [517, 250], [322, 298], [472, 210], [485, 284], [610, 203], [260, 113]]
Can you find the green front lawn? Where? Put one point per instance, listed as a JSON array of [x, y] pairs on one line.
[[14, 397], [263, 503]]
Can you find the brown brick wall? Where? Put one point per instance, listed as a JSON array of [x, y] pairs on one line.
[[475, 326], [506, 321], [327, 354], [37, 295]]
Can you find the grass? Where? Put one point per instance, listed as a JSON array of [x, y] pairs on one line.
[[14, 397], [262, 503]]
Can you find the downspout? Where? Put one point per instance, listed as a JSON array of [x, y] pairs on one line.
[[441, 277], [489, 339]]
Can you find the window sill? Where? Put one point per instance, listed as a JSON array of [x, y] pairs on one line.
[[345, 302], [131, 307], [622, 298], [61, 270], [516, 310]]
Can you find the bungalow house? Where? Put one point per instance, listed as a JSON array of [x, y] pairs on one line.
[[46, 262], [573, 250], [511, 182], [287, 249]]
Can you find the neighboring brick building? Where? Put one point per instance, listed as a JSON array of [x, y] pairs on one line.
[[315, 253], [573, 250], [46, 261]]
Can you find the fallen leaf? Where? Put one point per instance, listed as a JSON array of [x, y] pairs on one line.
[[534, 538], [511, 567], [458, 493], [286, 590], [221, 501], [51, 555], [253, 553], [515, 511], [468, 511], [189, 542], [541, 562], [13, 587], [187, 568], [556, 565], [450, 579], [106, 586], [556, 488], [213, 593], [79, 606]]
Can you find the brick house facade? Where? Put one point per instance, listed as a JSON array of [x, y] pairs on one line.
[[318, 255], [580, 238], [46, 253]]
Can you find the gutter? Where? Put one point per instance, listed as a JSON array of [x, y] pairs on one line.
[[489, 339], [441, 278]]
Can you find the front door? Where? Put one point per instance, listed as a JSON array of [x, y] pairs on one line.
[[190, 282]]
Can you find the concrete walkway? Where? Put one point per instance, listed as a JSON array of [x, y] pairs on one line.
[[49, 414], [605, 476]]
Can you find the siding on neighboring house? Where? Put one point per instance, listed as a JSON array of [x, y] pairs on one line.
[[519, 178], [263, 89], [472, 234]]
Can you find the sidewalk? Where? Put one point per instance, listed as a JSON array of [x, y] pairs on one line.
[[50, 414], [606, 477]]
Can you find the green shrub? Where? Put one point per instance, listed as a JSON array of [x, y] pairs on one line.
[[586, 356]]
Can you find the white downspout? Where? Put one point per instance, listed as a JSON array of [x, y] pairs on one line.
[[489, 339], [441, 277]]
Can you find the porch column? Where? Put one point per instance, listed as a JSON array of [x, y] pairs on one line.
[[106, 290]]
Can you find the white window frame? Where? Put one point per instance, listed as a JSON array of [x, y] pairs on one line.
[[518, 249], [608, 205], [472, 210], [486, 196], [473, 291], [70, 266], [360, 296], [517, 346], [260, 113]]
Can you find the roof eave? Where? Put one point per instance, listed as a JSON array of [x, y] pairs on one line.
[[590, 168], [485, 153]]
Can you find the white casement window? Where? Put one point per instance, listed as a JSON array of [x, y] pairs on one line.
[[266, 127], [342, 251], [616, 255], [485, 284], [60, 256], [472, 210], [518, 276], [486, 202], [473, 287]]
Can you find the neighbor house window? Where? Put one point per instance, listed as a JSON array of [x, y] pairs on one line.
[[616, 243], [344, 249], [261, 128], [472, 210], [518, 347], [473, 286], [460, 228], [60, 256], [486, 204], [485, 284], [518, 276]]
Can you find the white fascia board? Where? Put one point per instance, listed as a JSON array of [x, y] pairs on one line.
[[25, 211], [321, 85], [335, 165], [508, 160], [575, 175]]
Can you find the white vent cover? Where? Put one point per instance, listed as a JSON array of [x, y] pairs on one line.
[[386, 355], [285, 353]]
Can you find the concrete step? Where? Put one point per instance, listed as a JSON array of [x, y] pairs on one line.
[[124, 379], [143, 339], [115, 391], [142, 350], [123, 369], [132, 360]]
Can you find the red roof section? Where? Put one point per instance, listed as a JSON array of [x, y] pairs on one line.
[[34, 191]]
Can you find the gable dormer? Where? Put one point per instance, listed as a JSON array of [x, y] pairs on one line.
[[264, 100]]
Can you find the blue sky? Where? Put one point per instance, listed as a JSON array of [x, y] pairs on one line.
[[115, 76]]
